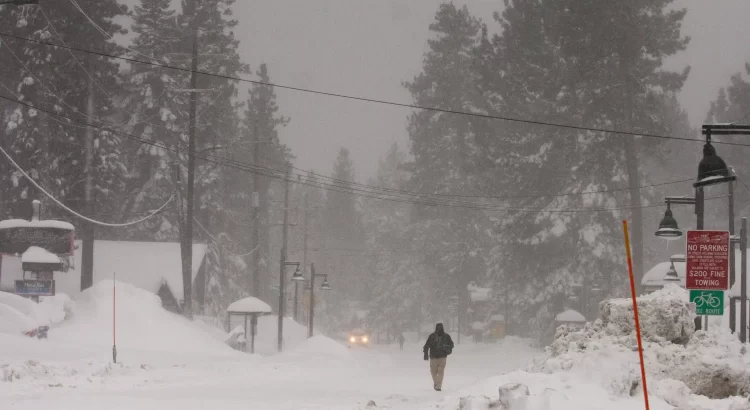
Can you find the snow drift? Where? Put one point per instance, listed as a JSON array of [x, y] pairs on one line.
[[141, 321], [681, 362]]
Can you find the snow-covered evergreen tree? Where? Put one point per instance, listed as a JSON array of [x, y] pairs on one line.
[[49, 147]]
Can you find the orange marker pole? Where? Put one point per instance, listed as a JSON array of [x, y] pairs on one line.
[[635, 313], [114, 318]]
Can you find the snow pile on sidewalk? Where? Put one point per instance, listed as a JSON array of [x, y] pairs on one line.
[[141, 323], [566, 391], [318, 350], [681, 364], [19, 314], [267, 336]]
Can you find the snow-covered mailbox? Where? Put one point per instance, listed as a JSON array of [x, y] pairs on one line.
[[570, 317], [247, 308], [40, 243]]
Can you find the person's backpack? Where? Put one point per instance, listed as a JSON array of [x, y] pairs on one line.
[[443, 346]]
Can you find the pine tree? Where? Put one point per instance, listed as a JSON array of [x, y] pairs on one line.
[[591, 64], [342, 225], [50, 148], [732, 105], [259, 141], [451, 152]]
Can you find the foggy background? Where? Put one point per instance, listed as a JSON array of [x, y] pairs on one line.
[[369, 47]]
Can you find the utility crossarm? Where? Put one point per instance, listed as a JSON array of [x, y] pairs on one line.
[[725, 129], [679, 200]]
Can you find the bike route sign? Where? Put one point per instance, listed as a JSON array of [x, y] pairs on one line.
[[707, 265], [708, 302]]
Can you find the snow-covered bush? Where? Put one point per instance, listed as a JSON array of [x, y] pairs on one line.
[[710, 364], [664, 315]]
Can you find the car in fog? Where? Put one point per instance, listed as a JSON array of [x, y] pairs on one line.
[[358, 337]]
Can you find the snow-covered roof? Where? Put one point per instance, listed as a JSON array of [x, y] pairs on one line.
[[655, 276], [570, 315], [479, 294], [36, 254], [145, 265], [22, 223], [477, 326], [497, 318], [249, 305]]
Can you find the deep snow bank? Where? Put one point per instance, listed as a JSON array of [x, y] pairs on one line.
[[708, 364], [141, 323], [319, 351]]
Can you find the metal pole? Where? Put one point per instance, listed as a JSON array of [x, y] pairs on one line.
[[245, 317], [282, 262], [87, 251], [732, 262], [257, 291], [304, 246], [699, 213], [312, 301], [743, 281], [187, 239], [253, 325]]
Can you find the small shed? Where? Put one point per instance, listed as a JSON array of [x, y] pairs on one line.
[[570, 317], [251, 308]]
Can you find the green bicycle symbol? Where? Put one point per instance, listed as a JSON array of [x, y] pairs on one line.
[[708, 299]]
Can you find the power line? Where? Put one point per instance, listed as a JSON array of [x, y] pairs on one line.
[[276, 174], [63, 206], [376, 101]]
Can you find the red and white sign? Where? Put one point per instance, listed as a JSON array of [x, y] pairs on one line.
[[707, 260]]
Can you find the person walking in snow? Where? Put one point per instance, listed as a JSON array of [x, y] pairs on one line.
[[437, 348], [401, 341]]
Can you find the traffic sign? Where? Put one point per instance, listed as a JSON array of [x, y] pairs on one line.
[[707, 265], [708, 302]]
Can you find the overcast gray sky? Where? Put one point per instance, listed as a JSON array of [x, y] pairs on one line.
[[369, 47]]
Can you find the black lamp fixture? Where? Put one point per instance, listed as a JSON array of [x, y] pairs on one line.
[[297, 276], [671, 276], [712, 169], [668, 228], [325, 285]]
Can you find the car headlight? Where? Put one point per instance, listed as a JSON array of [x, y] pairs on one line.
[[364, 339], [353, 339]]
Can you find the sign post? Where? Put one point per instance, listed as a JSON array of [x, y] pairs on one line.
[[707, 270], [708, 302]]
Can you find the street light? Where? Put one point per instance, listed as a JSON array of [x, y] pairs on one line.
[[297, 276], [668, 228], [712, 169], [671, 275], [323, 286]]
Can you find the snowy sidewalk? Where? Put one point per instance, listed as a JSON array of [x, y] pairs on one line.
[[393, 379]]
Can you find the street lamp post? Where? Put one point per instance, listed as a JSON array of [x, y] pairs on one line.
[[323, 286], [712, 170], [282, 302]]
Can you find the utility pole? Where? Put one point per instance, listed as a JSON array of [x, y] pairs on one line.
[[282, 264], [87, 253], [743, 281], [699, 216], [304, 258], [187, 237], [732, 263], [256, 216]]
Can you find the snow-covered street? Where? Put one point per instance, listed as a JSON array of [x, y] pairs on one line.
[[333, 378]]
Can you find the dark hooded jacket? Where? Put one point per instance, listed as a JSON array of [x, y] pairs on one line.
[[439, 344]]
